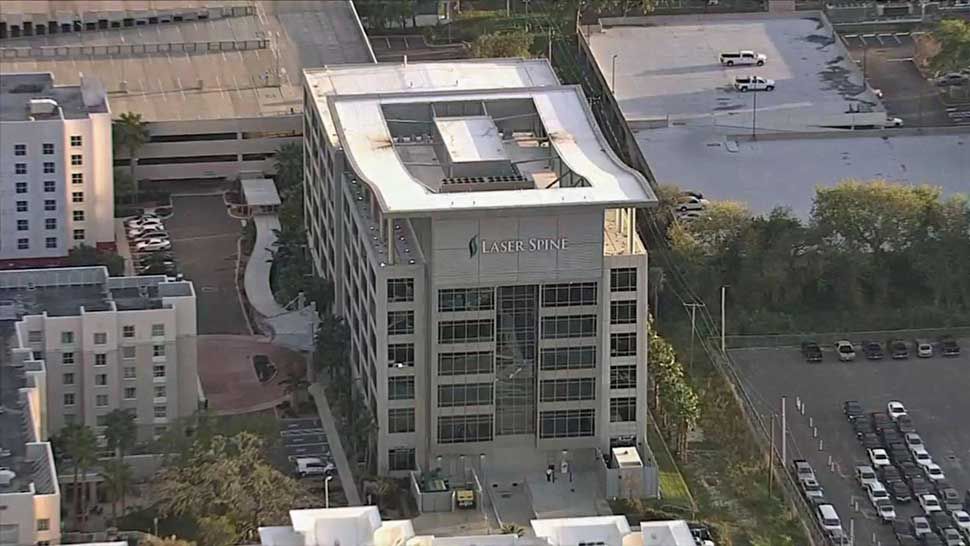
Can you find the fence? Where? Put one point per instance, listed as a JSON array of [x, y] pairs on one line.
[[829, 338], [76, 51]]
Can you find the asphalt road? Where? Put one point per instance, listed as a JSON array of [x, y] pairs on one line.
[[204, 242], [934, 391]]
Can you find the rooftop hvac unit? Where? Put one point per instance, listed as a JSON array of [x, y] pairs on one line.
[[43, 106], [6, 477]]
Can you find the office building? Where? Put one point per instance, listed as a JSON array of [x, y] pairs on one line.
[[56, 179], [107, 343], [480, 235]]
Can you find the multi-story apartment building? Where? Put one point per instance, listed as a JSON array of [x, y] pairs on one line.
[[56, 179], [30, 498], [480, 235], [108, 343]]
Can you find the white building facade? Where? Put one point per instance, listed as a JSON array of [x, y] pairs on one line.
[[480, 236], [56, 178], [109, 343]]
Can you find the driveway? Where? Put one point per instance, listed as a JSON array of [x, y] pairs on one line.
[[204, 241]]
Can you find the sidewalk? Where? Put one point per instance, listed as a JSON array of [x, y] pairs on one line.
[[121, 242], [336, 447]]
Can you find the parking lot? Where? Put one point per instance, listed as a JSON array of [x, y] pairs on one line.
[[886, 59], [204, 243], [934, 391]]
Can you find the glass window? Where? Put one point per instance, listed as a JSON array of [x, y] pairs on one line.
[[623, 409], [48, 148], [21, 187], [100, 338], [129, 372], [465, 299], [50, 186], [35, 336], [50, 242], [100, 359], [400, 290], [23, 244], [50, 223], [68, 379], [623, 344], [78, 234], [158, 330], [400, 322], [623, 279], [75, 140], [159, 391], [67, 338], [22, 207], [400, 388], [128, 351], [623, 312], [67, 358], [158, 371], [101, 400], [19, 149], [400, 459], [130, 393], [101, 379], [128, 330], [77, 178], [568, 358], [465, 363], [20, 168], [464, 394], [22, 225], [568, 326], [562, 390], [77, 197], [400, 355], [78, 215], [69, 399], [158, 350], [567, 423], [516, 352], [400, 420], [48, 167], [465, 331], [455, 429], [77, 160], [565, 295], [50, 204], [161, 412], [623, 377], [43, 524]]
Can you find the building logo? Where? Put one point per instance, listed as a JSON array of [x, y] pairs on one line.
[[512, 246]]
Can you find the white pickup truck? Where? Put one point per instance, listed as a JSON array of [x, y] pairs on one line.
[[743, 57], [754, 83]]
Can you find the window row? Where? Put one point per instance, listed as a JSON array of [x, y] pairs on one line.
[[567, 423], [623, 279], [623, 377], [400, 420], [623, 409], [49, 168], [464, 394], [568, 358], [401, 459], [563, 390], [400, 355], [465, 331], [568, 326], [456, 429], [400, 388], [624, 344], [623, 312], [400, 322], [465, 363], [565, 295], [465, 299], [101, 338], [47, 148], [50, 186], [400, 290]]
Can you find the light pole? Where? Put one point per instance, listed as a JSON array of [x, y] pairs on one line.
[[723, 298], [326, 490], [693, 315], [754, 115], [613, 73]]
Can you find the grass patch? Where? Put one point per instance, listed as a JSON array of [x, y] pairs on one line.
[[673, 487]]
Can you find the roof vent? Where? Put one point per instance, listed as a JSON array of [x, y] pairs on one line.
[[6, 477], [43, 106]]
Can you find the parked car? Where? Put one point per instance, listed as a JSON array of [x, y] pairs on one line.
[[898, 491], [952, 537], [880, 421], [150, 235], [919, 487], [913, 440], [812, 490], [145, 229], [921, 526], [152, 245], [142, 221], [852, 409], [885, 510], [828, 518], [924, 349], [312, 466], [753, 83], [898, 349], [954, 79], [929, 503], [811, 351], [904, 424], [872, 350], [845, 350], [950, 498], [870, 440], [921, 457], [949, 346], [889, 474], [802, 470], [895, 409], [961, 520], [933, 472], [940, 521], [879, 457], [876, 492], [743, 57], [687, 203], [865, 475]]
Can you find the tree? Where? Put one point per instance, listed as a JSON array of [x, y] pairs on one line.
[[217, 531], [118, 477], [953, 38], [130, 133], [84, 255], [289, 169], [512, 529], [505, 44], [167, 541], [120, 431], [81, 446], [229, 477], [332, 349], [295, 384], [124, 187]]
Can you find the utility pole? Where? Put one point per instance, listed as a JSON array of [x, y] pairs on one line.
[[693, 330], [508, 8], [656, 296], [784, 432], [549, 56], [754, 116], [613, 74], [723, 340], [771, 448]]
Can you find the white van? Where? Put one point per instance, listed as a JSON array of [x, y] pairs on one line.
[[743, 57], [828, 518], [312, 466]]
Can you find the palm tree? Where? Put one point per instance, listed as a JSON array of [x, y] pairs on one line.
[[80, 445], [117, 476], [130, 133], [388, 492], [120, 431], [512, 529]]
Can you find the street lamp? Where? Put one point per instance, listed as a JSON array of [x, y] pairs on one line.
[[326, 490], [613, 73]]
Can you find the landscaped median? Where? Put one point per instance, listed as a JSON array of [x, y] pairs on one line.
[[673, 488]]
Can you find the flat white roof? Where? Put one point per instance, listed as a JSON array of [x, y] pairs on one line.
[[471, 138], [260, 192], [466, 75], [573, 134], [666, 533]]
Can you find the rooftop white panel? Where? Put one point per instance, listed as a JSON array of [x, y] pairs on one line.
[[471, 138], [260, 192]]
